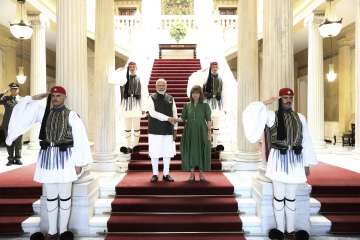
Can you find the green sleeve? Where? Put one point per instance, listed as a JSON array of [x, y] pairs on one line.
[[207, 112], [184, 115]]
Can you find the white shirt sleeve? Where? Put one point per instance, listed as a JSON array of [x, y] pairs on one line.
[[255, 117], [81, 152], [159, 116], [175, 114], [308, 149], [25, 113]]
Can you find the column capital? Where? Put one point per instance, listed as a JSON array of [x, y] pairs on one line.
[[345, 42], [38, 19], [316, 17]]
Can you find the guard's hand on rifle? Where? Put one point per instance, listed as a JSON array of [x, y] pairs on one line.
[[40, 96]]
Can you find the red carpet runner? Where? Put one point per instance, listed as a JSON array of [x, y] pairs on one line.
[[18, 191], [179, 210], [338, 190]]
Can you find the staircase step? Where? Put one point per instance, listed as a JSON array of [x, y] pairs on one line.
[[17, 206], [152, 82], [11, 224], [144, 155], [344, 223], [175, 204], [176, 236], [350, 205], [174, 223], [175, 165]]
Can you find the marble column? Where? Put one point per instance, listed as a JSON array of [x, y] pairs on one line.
[[345, 100], [37, 68], [278, 50], [105, 139], [248, 77], [357, 78], [315, 103], [71, 54]]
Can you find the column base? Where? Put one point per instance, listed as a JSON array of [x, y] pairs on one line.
[[105, 162], [263, 194], [239, 161]]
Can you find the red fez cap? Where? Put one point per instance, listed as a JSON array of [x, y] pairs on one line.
[[286, 92], [132, 63], [213, 63], [58, 89]]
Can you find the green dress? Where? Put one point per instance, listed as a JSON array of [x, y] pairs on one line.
[[195, 145]]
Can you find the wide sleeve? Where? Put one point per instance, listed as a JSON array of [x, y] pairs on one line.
[[81, 153], [144, 96], [118, 77], [308, 152], [207, 112], [154, 114], [25, 113], [255, 117]]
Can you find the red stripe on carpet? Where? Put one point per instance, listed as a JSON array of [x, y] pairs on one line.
[[18, 191], [338, 191], [179, 207]]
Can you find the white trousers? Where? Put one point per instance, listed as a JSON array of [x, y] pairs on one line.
[[155, 166], [284, 205], [58, 195], [132, 138]]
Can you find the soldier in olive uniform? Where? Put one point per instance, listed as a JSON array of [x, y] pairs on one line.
[[9, 102]]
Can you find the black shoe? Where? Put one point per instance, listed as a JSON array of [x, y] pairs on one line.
[[302, 235], [10, 161], [275, 234], [220, 148], [17, 161], [37, 236], [290, 236], [124, 150], [168, 178], [67, 236], [154, 179], [136, 149]]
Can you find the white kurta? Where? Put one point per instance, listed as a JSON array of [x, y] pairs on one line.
[[28, 112], [161, 146], [120, 80], [255, 117]]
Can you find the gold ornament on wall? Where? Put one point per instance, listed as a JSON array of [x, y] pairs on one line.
[[177, 7]]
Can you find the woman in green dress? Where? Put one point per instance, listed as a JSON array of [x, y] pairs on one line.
[[196, 139]]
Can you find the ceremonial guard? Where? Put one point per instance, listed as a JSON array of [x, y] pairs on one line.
[[134, 95], [291, 154], [64, 151]]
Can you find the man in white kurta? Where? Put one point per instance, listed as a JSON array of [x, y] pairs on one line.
[[64, 151], [134, 94], [291, 154], [162, 130]]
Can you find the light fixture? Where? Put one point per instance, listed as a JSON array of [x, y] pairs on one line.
[[21, 78], [331, 75], [331, 26], [21, 29]]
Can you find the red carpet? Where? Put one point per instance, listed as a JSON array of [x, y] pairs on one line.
[[173, 211], [338, 190], [18, 191]]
